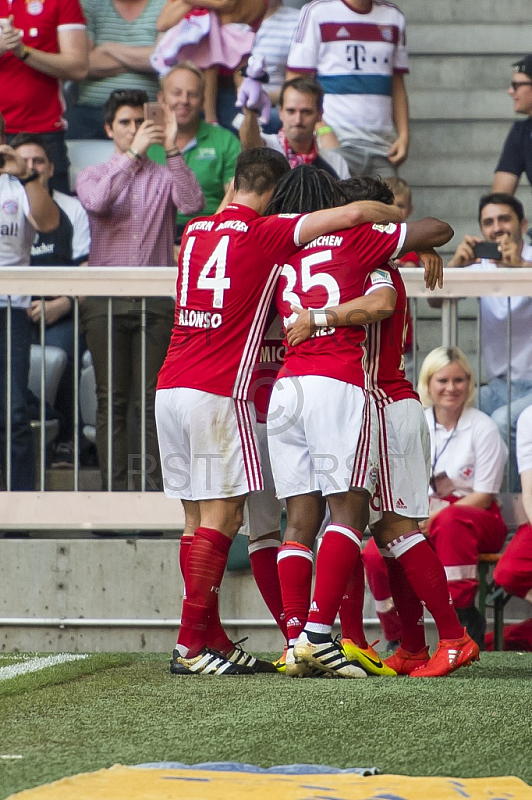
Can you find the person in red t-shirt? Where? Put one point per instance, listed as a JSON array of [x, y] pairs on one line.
[[415, 571], [42, 44], [228, 268]]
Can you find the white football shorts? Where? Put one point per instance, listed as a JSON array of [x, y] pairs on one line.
[[404, 461], [321, 430], [208, 444]]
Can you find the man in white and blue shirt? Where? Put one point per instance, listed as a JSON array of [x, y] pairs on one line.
[[357, 51]]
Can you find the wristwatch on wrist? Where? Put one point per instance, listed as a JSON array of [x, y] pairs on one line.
[[31, 177], [25, 53], [134, 153]]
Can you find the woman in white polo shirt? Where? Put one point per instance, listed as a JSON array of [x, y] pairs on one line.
[[467, 464]]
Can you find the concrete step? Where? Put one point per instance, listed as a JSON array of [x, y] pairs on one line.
[[448, 104], [450, 170], [456, 205], [461, 10], [434, 138], [461, 38], [469, 72]]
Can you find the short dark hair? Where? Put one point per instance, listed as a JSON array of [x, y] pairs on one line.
[[305, 86], [502, 199], [122, 97], [31, 138], [259, 169], [365, 187], [306, 188]]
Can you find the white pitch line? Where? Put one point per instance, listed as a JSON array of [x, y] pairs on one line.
[[36, 664], [10, 758]]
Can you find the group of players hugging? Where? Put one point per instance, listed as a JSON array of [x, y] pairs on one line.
[[335, 430]]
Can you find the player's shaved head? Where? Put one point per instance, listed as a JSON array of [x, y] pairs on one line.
[[304, 189], [365, 187], [259, 169]]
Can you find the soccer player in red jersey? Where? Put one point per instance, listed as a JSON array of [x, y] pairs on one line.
[[416, 574], [228, 268], [320, 419]]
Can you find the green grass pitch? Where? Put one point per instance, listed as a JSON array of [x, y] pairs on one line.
[[107, 708]]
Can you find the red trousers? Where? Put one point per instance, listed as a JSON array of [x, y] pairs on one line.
[[458, 534], [514, 570]]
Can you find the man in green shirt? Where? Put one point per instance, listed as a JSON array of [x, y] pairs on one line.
[[209, 150]]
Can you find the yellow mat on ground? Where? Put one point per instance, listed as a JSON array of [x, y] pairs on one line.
[[129, 783]]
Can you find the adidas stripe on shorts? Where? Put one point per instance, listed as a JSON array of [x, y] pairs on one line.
[[404, 464]]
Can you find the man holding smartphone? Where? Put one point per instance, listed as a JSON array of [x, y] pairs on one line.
[[131, 202], [503, 224]]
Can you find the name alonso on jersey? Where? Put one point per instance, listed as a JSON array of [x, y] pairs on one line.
[[190, 318]]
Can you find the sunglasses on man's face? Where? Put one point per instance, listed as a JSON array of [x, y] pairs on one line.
[[516, 84]]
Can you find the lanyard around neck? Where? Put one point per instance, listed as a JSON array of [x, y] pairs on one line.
[[442, 451]]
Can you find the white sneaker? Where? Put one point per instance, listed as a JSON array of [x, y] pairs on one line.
[[295, 670], [327, 657]]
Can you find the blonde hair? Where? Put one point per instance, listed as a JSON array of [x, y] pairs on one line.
[[191, 68], [437, 359]]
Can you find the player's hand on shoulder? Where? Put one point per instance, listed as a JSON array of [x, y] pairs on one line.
[[302, 328]]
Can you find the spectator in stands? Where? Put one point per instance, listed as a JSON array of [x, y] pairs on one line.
[[211, 35], [300, 109], [516, 156], [42, 44], [25, 207], [68, 245], [467, 464], [122, 36], [514, 570], [272, 43], [209, 150], [502, 221], [357, 51], [131, 203]]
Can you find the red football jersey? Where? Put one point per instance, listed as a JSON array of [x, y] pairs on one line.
[[271, 358], [383, 360], [327, 272], [228, 269], [31, 100]]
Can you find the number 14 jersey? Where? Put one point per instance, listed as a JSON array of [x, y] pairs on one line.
[[228, 269]]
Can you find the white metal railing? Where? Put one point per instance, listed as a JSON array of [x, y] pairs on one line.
[[151, 510]]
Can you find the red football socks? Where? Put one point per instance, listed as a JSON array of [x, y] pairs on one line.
[[426, 575], [294, 564], [337, 557], [352, 607], [408, 607], [204, 569], [263, 558]]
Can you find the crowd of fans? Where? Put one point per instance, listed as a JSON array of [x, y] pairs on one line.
[[323, 87]]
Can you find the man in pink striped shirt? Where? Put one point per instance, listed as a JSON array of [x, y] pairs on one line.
[[131, 202]]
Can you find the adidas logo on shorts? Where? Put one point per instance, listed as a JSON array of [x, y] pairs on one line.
[[401, 504]]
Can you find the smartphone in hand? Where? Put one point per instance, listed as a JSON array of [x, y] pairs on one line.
[[155, 113], [487, 250]]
